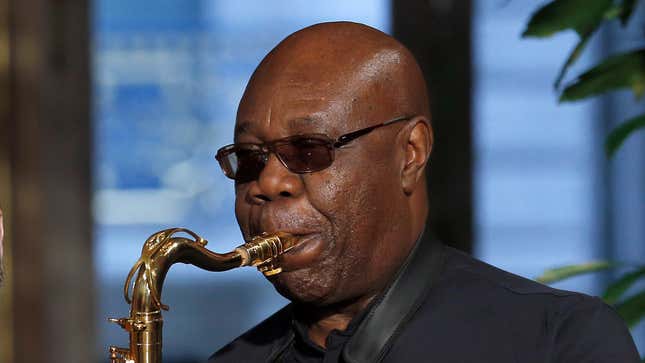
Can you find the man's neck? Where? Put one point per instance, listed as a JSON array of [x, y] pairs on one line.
[[321, 322]]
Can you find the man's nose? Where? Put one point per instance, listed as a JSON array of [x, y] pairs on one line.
[[275, 182]]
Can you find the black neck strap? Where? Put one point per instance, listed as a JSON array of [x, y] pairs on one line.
[[377, 331]]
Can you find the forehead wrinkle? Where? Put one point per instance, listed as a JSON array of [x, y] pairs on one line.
[[300, 122], [306, 123], [299, 79]]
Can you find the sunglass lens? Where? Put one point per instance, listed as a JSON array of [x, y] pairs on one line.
[[243, 165], [304, 155]]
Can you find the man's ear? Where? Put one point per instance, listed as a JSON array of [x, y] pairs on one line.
[[418, 146]]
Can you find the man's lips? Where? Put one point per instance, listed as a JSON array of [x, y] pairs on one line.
[[309, 245], [304, 254], [271, 231], [302, 239], [306, 251]]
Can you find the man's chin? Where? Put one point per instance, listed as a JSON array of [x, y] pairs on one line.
[[308, 275], [301, 287]]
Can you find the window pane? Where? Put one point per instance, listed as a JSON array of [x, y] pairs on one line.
[[167, 79], [534, 159]]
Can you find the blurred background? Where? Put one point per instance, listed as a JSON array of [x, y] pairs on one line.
[[111, 112]]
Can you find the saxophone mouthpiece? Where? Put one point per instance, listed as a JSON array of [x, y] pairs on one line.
[[262, 251]]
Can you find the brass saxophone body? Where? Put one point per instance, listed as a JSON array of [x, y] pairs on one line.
[[162, 250]]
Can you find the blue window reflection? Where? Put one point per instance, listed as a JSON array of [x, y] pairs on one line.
[[167, 79], [534, 160]]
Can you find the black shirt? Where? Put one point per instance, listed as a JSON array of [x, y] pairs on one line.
[[473, 312], [304, 350]]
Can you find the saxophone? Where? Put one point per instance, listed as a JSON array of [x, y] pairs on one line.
[[162, 250]]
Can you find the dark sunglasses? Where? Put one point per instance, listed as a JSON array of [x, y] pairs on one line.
[[300, 154]]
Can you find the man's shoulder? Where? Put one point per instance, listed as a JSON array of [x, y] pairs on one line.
[[260, 342], [522, 317], [507, 293], [489, 295], [462, 268]]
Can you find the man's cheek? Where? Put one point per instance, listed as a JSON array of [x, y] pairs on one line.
[[332, 191]]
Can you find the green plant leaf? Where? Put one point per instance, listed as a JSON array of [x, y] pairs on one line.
[[564, 272], [624, 11], [613, 12], [616, 290], [573, 57], [625, 70], [619, 134], [627, 10], [632, 309], [583, 16]]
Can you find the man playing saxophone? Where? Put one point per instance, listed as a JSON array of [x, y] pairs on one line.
[[331, 144]]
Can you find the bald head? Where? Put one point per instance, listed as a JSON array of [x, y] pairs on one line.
[[343, 61], [359, 216]]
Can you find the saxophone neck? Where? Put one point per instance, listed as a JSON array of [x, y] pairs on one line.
[[159, 253], [163, 249]]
